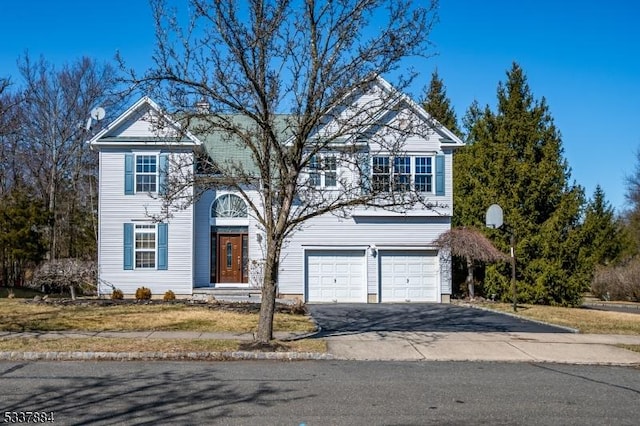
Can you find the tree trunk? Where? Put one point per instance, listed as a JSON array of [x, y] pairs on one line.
[[52, 211], [470, 284], [268, 302]]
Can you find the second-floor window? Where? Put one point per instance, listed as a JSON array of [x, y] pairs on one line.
[[323, 171], [403, 173], [381, 177], [424, 174], [146, 173]]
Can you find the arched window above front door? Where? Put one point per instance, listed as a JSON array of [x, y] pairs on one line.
[[229, 206]]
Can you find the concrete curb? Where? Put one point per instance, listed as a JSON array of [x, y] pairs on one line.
[[163, 356]]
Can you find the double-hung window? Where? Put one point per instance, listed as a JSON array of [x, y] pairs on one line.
[[402, 174], [424, 174], [146, 173], [145, 246], [381, 176], [323, 171], [406, 172]]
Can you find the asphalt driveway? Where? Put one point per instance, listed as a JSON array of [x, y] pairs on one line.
[[341, 319]]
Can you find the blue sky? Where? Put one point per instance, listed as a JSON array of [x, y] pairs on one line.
[[583, 57]]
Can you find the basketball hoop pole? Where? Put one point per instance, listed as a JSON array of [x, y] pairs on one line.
[[494, 219], [513, 271]]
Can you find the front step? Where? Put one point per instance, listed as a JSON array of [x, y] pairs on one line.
[[232, 294]]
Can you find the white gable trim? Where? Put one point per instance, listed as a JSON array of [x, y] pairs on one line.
[[451, 139], [145, 101], [448, 138]]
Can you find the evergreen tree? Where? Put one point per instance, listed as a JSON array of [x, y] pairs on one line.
[[438, 105], [23, 219], [604, 239], [515, 159]]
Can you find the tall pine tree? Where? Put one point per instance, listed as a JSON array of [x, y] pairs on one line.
[[605, 240], [515, 159], [438, 105]]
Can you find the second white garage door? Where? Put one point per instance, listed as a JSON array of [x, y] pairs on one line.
[[336, 276], [408, 276]]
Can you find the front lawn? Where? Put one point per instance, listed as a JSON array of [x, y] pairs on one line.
[[585, 320], [24, 315]]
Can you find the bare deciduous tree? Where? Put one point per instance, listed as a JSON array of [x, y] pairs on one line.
[[56, 105], [312, 60], [10, 124]]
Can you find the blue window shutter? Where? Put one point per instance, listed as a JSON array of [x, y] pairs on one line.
[[163, 246], [439, 174], [128, 246], [163, 169], [365, 168], [128, 174]]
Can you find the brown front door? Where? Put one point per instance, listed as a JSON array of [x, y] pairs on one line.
[[230, 258]]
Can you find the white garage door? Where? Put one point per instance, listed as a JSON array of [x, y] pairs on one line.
[[336, 276], [408, 276]]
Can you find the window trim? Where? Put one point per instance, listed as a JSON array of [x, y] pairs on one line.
[[131, 172], [155, 174], [393, 167], [161, 245], [321, 172], [140, 229]]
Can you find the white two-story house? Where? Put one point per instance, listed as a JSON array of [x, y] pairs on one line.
[[370, 256]]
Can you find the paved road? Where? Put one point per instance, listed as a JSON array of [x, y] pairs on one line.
[[341, 319], [321, 393]]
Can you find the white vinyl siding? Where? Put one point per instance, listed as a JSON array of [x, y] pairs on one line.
[[116, 209]]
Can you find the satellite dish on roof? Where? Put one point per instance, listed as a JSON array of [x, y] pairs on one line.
[[494, 218], [98, 113]]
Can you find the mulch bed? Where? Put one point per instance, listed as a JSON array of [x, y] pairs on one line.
[[241, 307]]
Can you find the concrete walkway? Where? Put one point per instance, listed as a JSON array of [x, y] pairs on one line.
[[568, 348], [493, 347]]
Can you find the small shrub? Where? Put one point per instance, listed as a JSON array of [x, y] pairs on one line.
[[298, 307], [63, 275], [169, 296], [143, 293], [117, 294]]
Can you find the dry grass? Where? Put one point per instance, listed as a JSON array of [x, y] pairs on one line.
[[20, 316], [102, 344], [635, 348], [586, 320]]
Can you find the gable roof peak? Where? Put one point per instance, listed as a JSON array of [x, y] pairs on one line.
[[166, 128]]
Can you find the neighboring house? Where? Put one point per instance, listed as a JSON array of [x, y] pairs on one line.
[[372, 256]]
